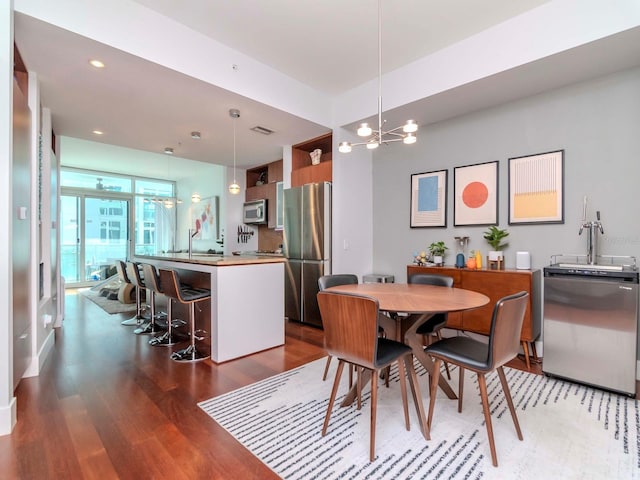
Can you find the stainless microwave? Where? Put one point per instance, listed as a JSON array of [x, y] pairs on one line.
[[254, 212]]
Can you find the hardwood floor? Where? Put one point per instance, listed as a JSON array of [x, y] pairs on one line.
[[107, 405]]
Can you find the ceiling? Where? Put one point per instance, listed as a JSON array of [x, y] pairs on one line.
[[329, 45]]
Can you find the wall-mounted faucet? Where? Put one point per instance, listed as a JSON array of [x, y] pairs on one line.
[[592, 239], [192, 233]]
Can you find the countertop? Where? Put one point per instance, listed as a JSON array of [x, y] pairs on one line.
[[215, 260]]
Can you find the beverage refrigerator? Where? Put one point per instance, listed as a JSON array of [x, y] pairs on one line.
[[307, 247]]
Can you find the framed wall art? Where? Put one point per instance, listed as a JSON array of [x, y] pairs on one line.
[[536, 193], [205, 219], [475, 200], [429, 199]]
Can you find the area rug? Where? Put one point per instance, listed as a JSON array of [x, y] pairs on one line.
[[570, 431], [109, 306]]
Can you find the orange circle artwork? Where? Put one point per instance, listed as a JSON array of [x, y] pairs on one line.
[[475, 194]]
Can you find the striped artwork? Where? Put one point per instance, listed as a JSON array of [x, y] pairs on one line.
[[535, 188], [570, 430]]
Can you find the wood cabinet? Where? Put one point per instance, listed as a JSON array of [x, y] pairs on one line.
[[269, 176], [495, 284], [302, 171]]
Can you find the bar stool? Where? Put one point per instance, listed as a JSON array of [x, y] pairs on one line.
[[150, 326], [152, 281], [187, 295], [136, 320]]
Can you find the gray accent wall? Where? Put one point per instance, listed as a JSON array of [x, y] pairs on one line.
[[596, 123]]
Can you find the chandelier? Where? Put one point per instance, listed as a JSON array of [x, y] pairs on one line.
[[234, 188], [404, 133]]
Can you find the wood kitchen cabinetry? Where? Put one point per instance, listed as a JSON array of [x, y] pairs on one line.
[[269, 175], [302, 171], [495, 284]]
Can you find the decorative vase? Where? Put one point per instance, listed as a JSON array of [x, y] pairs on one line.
[[315, 156], [438, 260]]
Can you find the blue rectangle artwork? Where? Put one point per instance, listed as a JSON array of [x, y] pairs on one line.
[[428, 194]]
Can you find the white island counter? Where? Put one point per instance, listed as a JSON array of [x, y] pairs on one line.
[[247, 299]]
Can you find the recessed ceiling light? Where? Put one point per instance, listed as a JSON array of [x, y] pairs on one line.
[[96, 63], [195, 135], [98, 132], [168, 150]]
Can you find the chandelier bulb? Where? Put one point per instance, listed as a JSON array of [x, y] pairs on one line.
[[364, 130], [344, 147], [409, 139], [410, 127], [372, 144]]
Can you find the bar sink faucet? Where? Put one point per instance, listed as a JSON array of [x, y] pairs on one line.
[[192, 233], [592, 239]]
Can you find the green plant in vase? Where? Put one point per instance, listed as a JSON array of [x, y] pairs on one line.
[[437, 250], [494, 237]]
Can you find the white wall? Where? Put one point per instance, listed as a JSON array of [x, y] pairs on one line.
[[7, 400]]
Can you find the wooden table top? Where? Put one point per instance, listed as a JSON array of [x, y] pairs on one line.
[[415, 298]]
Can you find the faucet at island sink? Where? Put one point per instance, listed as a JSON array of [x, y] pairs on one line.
[[192, 233]]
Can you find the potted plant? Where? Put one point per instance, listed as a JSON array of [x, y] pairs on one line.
[[494, 237], [436, 249]]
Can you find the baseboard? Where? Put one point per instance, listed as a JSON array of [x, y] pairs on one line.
[[8, 417], [38, 360]]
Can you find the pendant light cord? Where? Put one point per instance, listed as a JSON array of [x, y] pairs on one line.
[[379, 72]]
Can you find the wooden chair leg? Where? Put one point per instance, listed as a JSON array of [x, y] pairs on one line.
[[351, 367], [433, 390], [403, 391], [525, 349], [487, 417], [326, 368], [507, 394], [332, 398], [460, 387], [374, 405], [359, 371], [417, 397]]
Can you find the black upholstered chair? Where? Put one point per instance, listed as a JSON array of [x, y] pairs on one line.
[[431, 327], [483, 358], [190, 296], [351, 335]]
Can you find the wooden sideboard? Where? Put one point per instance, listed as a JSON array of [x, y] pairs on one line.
[[495, 284]]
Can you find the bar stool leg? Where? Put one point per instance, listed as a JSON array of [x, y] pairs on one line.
[[136, 320], [150, 327], [168, 338], [191, 353]]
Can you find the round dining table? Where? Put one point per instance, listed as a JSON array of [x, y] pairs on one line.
[[401, 298]]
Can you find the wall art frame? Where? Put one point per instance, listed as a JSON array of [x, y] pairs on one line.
[[429, 199], [475, 200], [536, 188]]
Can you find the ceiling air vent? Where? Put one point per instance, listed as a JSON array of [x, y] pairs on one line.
[[262, 130]]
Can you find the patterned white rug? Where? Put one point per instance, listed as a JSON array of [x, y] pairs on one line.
[[570, 431]]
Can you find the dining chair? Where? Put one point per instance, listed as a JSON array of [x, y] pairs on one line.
[[483, 358], [351, 335], [431, 327], [328, 281]]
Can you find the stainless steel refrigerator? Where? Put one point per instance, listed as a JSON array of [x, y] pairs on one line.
[[307, 246]]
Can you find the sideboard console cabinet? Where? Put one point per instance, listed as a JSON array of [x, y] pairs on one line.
[[495, 284]]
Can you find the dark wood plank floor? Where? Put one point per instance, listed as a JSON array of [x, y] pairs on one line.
[[107, 405]]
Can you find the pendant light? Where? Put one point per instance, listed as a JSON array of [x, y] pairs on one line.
[[379, 136], [234, 188]]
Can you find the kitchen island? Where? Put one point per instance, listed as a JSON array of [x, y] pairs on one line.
[[246, 313]]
